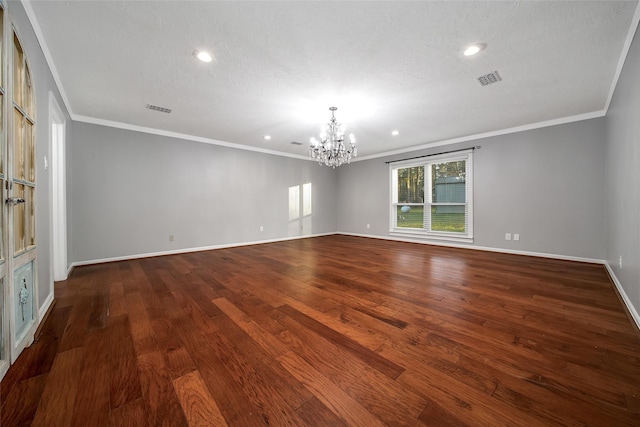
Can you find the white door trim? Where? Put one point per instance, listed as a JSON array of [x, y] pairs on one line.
[[58, 200]]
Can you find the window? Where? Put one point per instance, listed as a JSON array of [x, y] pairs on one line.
[[432, 197]]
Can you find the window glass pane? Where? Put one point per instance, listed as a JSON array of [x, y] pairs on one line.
[[29, 155], [18, 220], [30, 193], [18, 146], [28, 92], [18, 71], [1, 134], [411, 185], [410, 216], [448, 182], [449, 218], [1, 226], [1, 49]]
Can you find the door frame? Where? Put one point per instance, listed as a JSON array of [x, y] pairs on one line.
[[58, 192]]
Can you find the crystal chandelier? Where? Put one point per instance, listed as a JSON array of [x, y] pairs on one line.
[[331, 149]]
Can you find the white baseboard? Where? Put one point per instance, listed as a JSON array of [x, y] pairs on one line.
[[187, 250], [632, 310], [479, 248], [45, 307]]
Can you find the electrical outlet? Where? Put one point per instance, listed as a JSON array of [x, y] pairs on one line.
[[171, 237], [516, 237], [261, 228], [368, 225], [620, 262], [507, 236]]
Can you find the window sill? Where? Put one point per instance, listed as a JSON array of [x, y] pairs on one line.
[[416, 234]]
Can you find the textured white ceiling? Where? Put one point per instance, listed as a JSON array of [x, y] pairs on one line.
[[279, 66]]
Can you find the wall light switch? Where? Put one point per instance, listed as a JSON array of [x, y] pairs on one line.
[[261, 228]]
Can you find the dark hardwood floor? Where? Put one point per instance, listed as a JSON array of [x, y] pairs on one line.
[[331, 331]]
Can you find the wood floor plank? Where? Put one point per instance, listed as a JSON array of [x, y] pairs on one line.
[[267, 341], [199, 406], [37, 359], [314, 413], [56, 406], [385, 398], [373, 359], [99, 309], [124, 379], [92, 400], [131, 414], [234, 404], [163, 407], [179, 361], [261, 377], [117, 300], [434, 415], [76, 327], [139, 321], [328, 393], [331, 331], [22, 401]]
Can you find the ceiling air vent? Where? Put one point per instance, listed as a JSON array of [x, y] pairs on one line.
[[160, 109], [296, 143], [490, 78]]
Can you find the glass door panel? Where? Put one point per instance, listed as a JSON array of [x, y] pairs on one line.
[[20, 192]]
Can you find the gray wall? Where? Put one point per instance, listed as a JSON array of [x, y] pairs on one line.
[[545, 184], [623, 177], [129, 191], [43, 83]]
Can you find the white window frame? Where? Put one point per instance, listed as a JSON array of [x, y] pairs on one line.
[[423, 233]]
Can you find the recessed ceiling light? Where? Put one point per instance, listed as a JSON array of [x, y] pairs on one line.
[[395, 133], [473, 49], [267, 137], [203, 56]]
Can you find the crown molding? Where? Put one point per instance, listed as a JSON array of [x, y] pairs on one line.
[[160, 132], [532, 126]]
